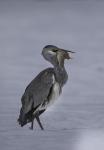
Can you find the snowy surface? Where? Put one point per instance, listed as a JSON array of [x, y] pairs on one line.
[[76, 121]]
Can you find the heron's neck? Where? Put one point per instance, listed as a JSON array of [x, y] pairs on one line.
[[59, 68], [61, 74]]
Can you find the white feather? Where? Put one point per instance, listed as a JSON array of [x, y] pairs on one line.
[[54, 95]]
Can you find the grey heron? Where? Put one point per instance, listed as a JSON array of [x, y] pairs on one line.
[[46, 87]]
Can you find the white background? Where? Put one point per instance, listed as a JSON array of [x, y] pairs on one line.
[[77, 119]]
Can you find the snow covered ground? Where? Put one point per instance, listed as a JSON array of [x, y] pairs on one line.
[[76, 121]]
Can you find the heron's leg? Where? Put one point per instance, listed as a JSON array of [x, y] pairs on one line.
[[38, 120], [32, 125], [32, 122]]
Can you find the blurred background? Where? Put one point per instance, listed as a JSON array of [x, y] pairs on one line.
[[26, 26]]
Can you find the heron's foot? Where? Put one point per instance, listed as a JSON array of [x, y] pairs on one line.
[[32, 125], [40, 124], [31, 128], [42, 129]]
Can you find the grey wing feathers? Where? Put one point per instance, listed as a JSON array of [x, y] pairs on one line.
[[38, 90]]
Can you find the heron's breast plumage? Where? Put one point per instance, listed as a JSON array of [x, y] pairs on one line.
[[53, 95]]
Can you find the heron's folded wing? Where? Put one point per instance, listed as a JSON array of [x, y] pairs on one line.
[[38, 90]]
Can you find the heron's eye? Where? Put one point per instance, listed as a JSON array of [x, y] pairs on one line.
[[54, 50]]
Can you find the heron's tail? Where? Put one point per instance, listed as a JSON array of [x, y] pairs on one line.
[[22, 118]]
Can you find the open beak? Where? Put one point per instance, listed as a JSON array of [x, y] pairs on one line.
[[67, 54], [67, 51]]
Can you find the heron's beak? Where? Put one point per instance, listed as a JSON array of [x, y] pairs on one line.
[[67, 51], [67, 54]]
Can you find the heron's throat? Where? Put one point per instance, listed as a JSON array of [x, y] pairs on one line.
[[61, 74], [60, 61], [59, 66]]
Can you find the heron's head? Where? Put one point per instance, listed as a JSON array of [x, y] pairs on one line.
[[56, 55]]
